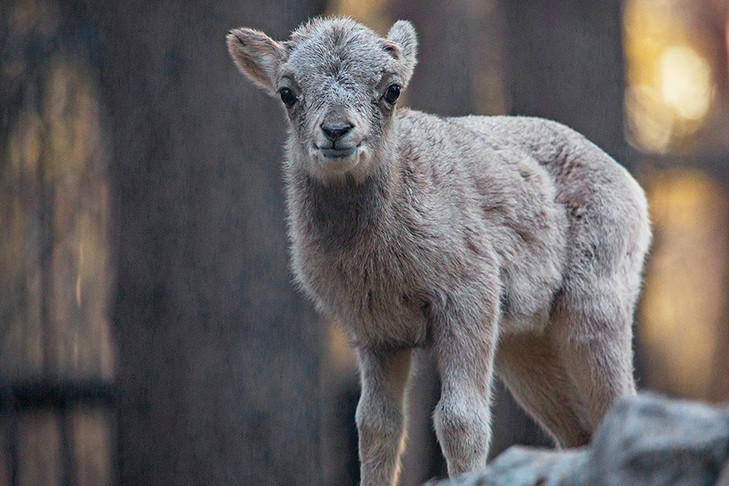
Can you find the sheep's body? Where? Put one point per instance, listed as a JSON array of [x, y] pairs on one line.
[[505, 244], [468, 201]]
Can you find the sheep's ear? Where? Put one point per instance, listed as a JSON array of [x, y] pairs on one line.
[[257, 56], [402, 44]]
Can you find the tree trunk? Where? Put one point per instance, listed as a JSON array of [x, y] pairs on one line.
[[218, 354], [565, 62]]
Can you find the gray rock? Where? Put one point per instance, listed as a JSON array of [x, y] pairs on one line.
[[644, 440], [525, 466]]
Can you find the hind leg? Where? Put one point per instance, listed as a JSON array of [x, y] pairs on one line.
[[531, 368], [594, 324]]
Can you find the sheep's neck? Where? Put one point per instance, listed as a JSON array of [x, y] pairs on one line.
[[347, 212]]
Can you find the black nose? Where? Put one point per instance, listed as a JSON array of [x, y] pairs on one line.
[[335, 132]]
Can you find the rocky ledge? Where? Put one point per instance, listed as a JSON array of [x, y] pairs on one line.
[[646, 439]]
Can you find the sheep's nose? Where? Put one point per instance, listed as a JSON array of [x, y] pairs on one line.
[[335, 132]]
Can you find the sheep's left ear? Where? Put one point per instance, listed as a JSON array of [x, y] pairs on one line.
[[402, 44], [257, 56]]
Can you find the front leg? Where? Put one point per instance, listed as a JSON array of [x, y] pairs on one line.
[[465, 340], [381, 413]]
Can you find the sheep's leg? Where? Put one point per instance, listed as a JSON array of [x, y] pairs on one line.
[[381, 413], [464, 347], [532, 369], [601, 363], [595, 326]]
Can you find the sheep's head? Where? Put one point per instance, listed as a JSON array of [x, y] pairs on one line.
[[339, 83]]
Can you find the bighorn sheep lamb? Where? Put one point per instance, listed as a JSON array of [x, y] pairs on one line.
[[507, 245]]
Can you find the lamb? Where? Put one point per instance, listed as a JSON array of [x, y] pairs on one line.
[[510, 246]]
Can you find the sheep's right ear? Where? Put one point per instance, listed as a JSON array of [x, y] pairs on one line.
[[402, 44], [257, 56]]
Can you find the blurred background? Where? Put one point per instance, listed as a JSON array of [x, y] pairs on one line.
[[149, 330]]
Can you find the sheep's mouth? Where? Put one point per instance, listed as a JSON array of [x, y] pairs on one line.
[[338, 150], [337, 153]]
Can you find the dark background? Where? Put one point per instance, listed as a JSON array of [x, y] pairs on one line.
[[149, 329]]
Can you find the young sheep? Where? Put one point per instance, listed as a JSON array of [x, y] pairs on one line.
[[508, 245]]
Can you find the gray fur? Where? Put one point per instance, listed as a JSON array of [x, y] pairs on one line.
[[508, 245]]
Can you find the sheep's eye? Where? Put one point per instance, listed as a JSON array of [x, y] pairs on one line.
[[392, 94], [287, 96]]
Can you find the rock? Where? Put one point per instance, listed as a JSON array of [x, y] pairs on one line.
[[525, 466], [657, 441], [644, 440]]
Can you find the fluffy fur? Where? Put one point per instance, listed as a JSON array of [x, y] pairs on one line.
[[508, 245]]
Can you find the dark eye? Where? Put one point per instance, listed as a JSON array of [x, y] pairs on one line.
[[392, 94], [287, 96]]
